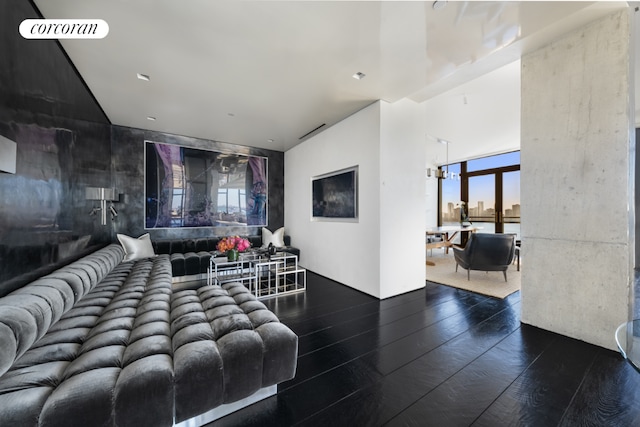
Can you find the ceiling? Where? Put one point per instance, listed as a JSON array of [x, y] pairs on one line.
[[267, 73]]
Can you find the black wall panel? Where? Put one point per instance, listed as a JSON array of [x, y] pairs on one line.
[[36, 75], [65, 143]]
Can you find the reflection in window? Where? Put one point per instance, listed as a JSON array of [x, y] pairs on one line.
[[482, 199], [511, 202], [232, 201], [177, 195]]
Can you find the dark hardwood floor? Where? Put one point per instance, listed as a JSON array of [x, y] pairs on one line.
[[437, 357]]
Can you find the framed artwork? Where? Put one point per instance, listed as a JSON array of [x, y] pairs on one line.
[[335, 196], [191, 187]]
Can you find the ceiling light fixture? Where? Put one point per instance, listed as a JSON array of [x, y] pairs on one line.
[[443, 170], [269, 140], [144, 77], [153, 119], [444, 174], [439, 4], [359, 75]]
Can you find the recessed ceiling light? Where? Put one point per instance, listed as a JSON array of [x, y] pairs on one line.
[[153, 119], [269, 140], [358, 76], [439, 4], [143, 77]]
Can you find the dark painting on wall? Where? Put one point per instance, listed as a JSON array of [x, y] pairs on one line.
[[335, 195], [190, 187]]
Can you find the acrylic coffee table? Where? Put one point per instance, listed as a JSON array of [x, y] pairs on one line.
[[263, 275]]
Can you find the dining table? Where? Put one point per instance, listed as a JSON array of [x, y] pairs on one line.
[[448, 234]]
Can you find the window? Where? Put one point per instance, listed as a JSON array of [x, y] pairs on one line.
[[490, 188], [450, 198]]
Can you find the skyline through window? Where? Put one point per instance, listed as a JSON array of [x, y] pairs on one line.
[[492, 199]]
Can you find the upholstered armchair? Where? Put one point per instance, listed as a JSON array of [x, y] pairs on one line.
[[486, 252]]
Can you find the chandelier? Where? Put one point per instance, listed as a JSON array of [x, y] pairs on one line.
[[441, 173]]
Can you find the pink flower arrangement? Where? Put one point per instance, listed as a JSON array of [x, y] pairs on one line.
[[233, 242]]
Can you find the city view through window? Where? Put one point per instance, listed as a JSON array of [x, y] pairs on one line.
[[493, 194]]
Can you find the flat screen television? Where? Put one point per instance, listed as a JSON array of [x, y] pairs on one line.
[[191, 187]]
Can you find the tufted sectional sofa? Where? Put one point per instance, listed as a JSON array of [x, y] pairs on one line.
[[190, 257], [106, 342]]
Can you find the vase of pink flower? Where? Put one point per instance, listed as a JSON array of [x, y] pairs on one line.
[[232, 246]]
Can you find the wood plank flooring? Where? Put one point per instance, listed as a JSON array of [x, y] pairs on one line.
[[437, 357]]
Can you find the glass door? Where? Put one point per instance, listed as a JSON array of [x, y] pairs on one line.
[[494, 202], [510, 216], [482, 203], [490, 187]]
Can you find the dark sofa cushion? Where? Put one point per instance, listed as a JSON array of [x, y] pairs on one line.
[[256, 241], [178, 246], [192, 262], [161, 246], [189, 245], [201, 245], [178, 267], [191, 256]]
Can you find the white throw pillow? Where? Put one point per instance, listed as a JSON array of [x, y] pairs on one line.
[[277, 237], [136, 249]]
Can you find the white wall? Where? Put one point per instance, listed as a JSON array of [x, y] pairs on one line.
[[383, 253], [343, 251], [403, 202], [479, 118], [431, 195], [576, 122]]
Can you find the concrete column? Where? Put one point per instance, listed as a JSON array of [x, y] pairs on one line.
[[576, 141]]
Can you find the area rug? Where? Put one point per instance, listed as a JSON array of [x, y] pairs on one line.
[[486, 283]]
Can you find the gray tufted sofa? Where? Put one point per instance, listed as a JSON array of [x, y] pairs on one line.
[[106, 342]]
